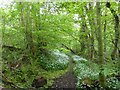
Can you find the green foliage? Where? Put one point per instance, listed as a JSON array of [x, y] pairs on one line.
[[27, 72], [110, 68], [55, 29], [84, 69], [64, 50], [52, 63], [47, 26], [113, 83]]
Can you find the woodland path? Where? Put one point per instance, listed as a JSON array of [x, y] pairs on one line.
[[66, 81]]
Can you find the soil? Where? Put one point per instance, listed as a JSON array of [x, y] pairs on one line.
[[67, 81]]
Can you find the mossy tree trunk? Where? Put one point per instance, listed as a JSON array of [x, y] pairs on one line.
[[116, 40], [83, 35], [119, 41], [100, 45], [105, 24], [26, 23], [92, 29], [117, 31]]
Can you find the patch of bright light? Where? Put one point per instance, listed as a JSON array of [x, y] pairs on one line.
[[5, 3]]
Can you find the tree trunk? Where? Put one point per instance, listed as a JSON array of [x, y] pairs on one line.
[[26, 22], [92, 28], [117, 32], [114, 52], [105, 40], [83, 36], [119, 41], [100, 46]]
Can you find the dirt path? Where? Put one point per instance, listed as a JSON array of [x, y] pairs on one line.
[[67, 81]]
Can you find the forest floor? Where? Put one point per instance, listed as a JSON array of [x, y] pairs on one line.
[[67, 81]]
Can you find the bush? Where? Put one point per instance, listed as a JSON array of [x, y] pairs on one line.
[[113, 83], [91, 70], [55, 62]]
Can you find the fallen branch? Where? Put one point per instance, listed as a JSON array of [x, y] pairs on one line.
[[69, 48], [11, 48], [7, 82]]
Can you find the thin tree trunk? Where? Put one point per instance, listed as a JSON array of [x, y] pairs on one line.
[[83, 37], [119, 33], [2, 32], [100, 46], [92, 23], [105, 26], [27, 24]]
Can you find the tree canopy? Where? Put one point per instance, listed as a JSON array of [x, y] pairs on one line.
[[39, 38]]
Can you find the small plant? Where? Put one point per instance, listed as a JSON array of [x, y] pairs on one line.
[[113, 83], [84, 69], [57, 61]]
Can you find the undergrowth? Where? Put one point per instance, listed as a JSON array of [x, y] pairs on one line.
[[29, 69]]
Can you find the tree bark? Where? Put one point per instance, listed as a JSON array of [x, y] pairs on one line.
[[105, 39], [117, 32], [92, 23], [83, 36], [100, 46]]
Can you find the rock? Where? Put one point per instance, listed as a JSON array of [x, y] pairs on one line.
[[118, 77], [39, 82], [14, 65], [78, 58], [1, 87], [85, 87]]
